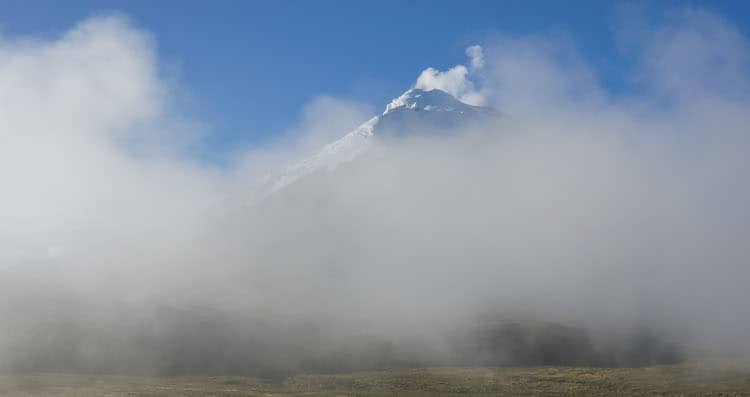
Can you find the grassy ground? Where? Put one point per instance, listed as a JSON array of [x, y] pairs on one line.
[[545, 381]]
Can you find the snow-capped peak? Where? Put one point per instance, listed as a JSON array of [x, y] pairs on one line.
[[432, 100], [435, 106]]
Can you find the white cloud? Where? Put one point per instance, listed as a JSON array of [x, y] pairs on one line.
[[476, 56], [71, 111], [455, 80], [697, 54]]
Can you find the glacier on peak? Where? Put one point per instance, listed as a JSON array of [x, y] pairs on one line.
[[432, 100]]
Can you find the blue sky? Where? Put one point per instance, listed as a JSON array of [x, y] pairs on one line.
[[246, 68]]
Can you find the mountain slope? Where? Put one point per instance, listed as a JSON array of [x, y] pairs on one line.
[[415, 111]]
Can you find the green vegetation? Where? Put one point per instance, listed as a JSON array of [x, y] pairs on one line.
[[548, 381]]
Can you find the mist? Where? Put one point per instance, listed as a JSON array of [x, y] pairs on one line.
[[579, 226]]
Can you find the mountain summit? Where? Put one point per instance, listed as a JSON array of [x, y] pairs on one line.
[[431, 101], [415, 111]]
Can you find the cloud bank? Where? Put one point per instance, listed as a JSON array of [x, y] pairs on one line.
[[604, 214]]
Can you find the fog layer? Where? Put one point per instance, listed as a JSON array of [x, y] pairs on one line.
[[615, 223]]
